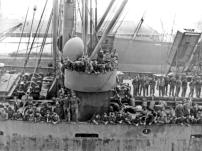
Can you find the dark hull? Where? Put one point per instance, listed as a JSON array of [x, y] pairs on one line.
[[25, 136]]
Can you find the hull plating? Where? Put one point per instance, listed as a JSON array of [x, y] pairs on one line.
[[23, 136]]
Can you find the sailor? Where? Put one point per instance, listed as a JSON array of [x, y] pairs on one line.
[[152, 84], [191, 87], [184, 86], [172, 86], [74, 106], [135, 86], [178, 86]]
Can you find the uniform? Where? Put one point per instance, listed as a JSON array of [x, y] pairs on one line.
[[172, 86], [191, 86], [198, 88], [74, 107], [66, 108], [184, 87], [178, 87], [161, 84], [166, 79], [141, 85], [135, 87], [146, 86], [152, 84]]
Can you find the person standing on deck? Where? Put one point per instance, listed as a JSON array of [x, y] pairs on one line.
[[184, 86], [74, 106], [197, 87], [152, 84], [200, 87], [160, 85], [191, 87], [178, 86], [166, 79], [146, 85], [172, 86], [135, 86], [141, 84]]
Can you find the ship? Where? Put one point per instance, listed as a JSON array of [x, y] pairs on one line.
[[94, 92]]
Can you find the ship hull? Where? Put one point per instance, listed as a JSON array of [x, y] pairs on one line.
[[27, 136]]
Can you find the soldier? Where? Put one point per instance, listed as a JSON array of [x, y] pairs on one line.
[[179, 113], [191, 87], [166, 79], [135, 86], [141, 84], [146, 85], [184, 86], [160, 85], [178, 86], [172, 86], [66, 108], [74, 106], [100, 57], [198, 87], [152, 84]]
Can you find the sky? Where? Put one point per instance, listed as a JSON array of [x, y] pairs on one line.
[[162, 15]]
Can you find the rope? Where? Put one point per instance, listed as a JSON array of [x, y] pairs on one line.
[[41, 52], [21, 34], [26, 61], [30, 32]]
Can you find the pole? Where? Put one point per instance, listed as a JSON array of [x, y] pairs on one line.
[[95, 15], [110, 26], [68, 20], [55, 34], [30, 32], [105, 15], [91, 24], [86, 26]]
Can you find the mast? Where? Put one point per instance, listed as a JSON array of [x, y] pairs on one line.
[[95, 15], [55, 34], [68, 20], [110, 26], [105, 15], [85, 23], [91, 24]]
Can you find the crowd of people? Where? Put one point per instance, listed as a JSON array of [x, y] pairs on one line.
[[124, 110], [62, 108], [175, 86], [105, 62], [33, 84]]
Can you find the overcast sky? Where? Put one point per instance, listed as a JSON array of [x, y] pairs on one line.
[[163, 15]]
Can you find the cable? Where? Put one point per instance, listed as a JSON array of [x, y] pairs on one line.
[[26, 61], [21, 34]]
